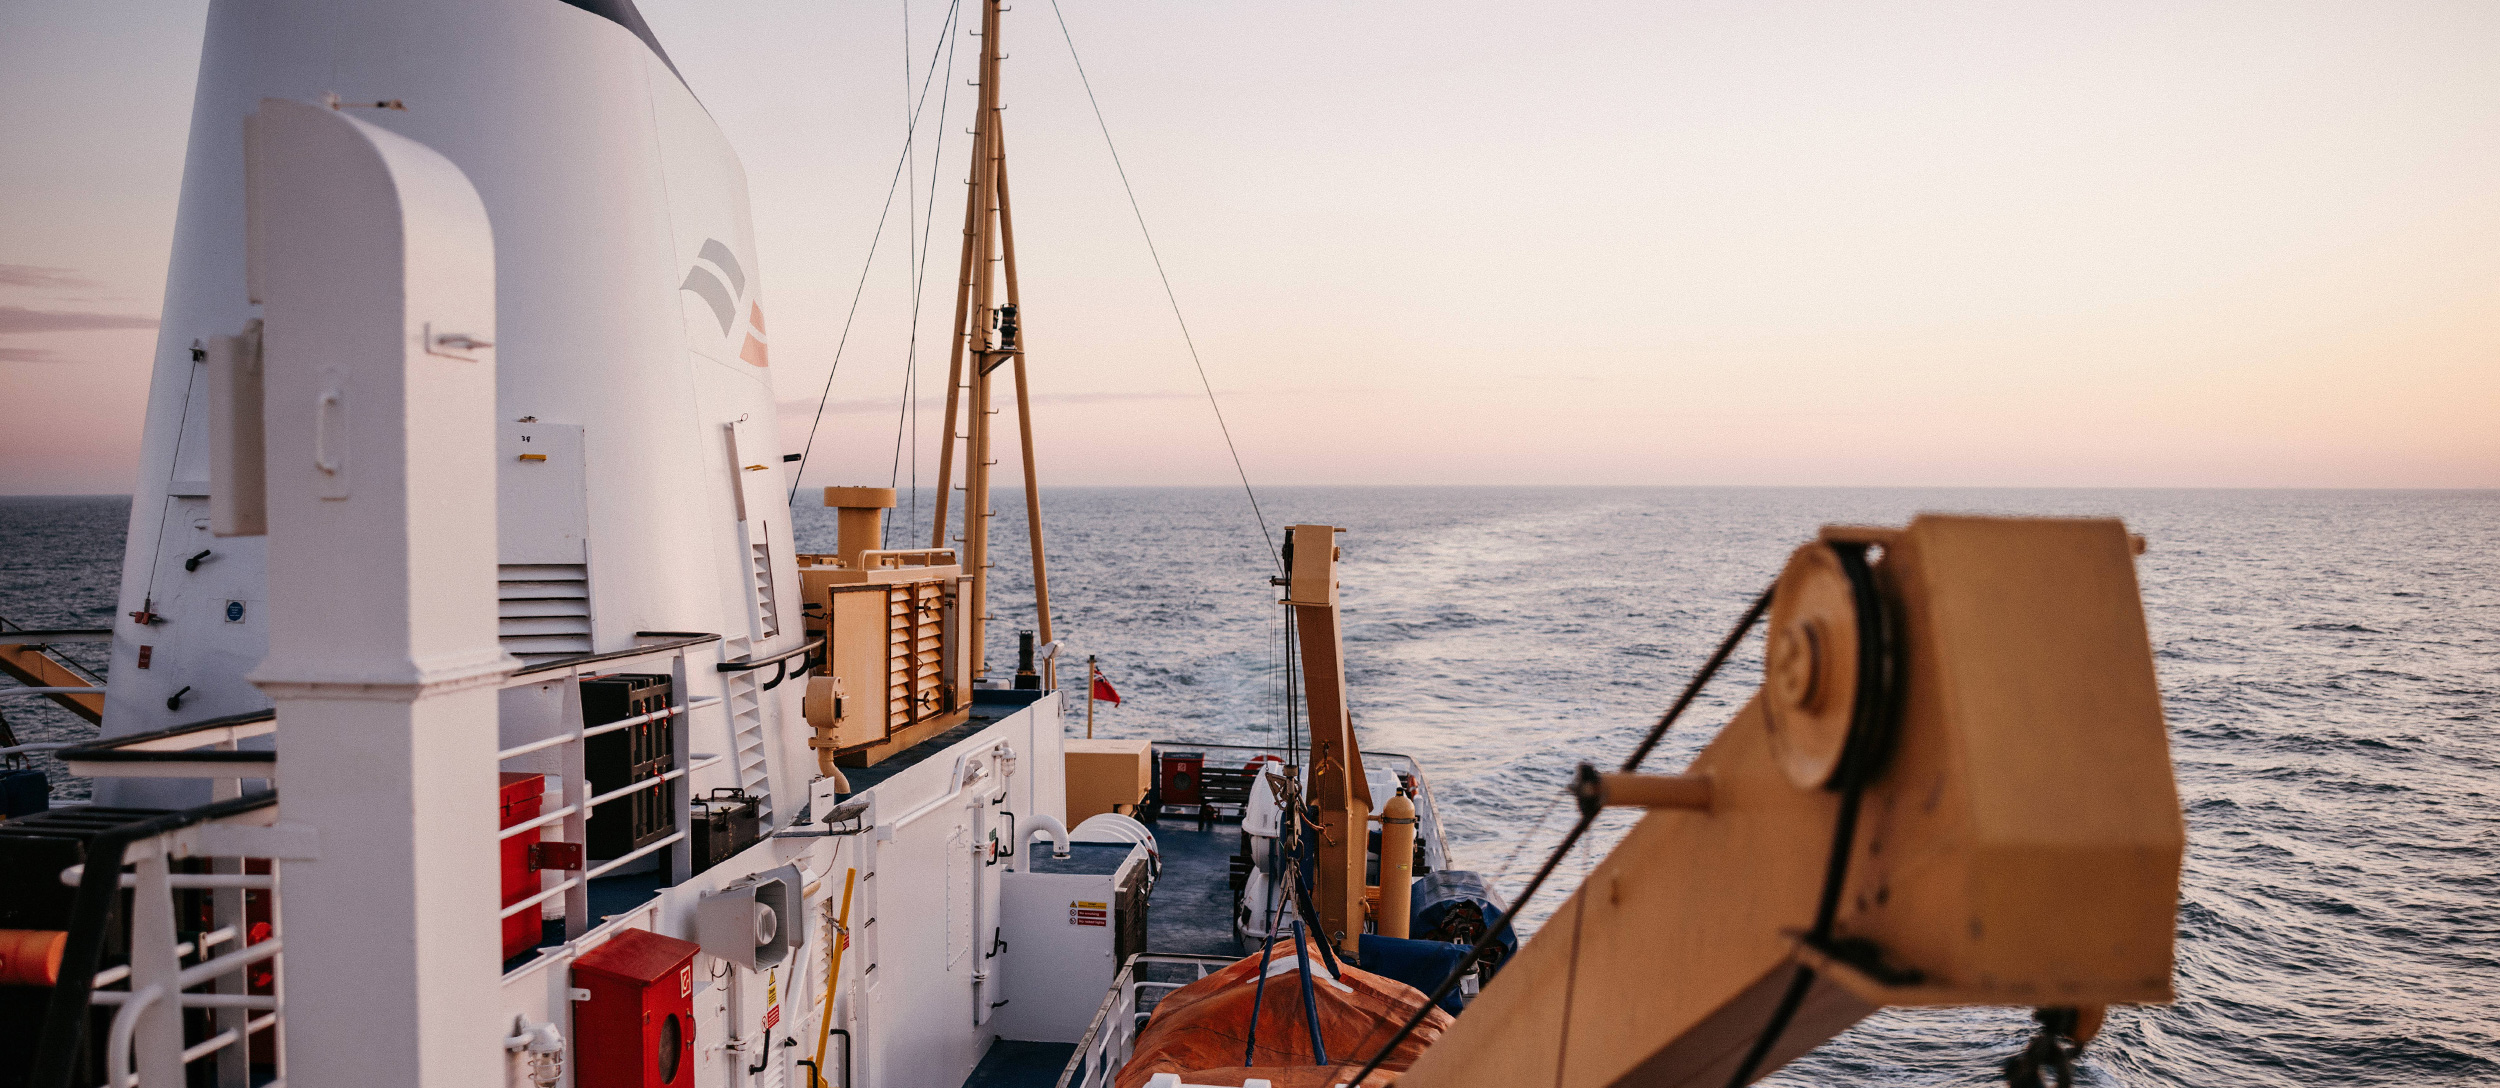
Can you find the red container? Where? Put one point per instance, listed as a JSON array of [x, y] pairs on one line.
[[636, 1029], [523, 796], [1184, 777]]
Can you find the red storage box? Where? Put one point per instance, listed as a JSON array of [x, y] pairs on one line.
[[1184, 778], [524, 794], [636, 1029]]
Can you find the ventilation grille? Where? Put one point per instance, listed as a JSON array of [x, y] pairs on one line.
[[767, 611], [543, 610], [915, 661]]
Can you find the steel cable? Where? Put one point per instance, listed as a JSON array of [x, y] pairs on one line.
[[1168, 293], [1588, 816], [884, 213]]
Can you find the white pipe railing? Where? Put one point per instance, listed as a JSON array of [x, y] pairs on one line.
[[1107, 1041], [252, 881], [605, 728], [153, 986], [563, 757]]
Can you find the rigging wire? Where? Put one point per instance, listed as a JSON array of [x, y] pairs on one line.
[[1168, 292], [910, 407], [1579, 828], [911, 257], [884, 212]]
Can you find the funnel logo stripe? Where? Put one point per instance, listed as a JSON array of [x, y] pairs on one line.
[[719, 254], [718, 279], [701, 281]]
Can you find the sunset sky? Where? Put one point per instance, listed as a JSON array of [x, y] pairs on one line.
[[2108, 244]]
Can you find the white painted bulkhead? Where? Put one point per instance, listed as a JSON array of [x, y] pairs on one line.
[[908, 994], [628, 304]]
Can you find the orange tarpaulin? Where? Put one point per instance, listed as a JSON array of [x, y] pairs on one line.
[[1200, 1030]]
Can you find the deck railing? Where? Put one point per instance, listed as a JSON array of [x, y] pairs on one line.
[[150, 1038], [563, 756], [1106, 1043]]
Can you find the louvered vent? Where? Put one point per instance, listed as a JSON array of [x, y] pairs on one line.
[[767, 611], [914, 655], [543, 610]]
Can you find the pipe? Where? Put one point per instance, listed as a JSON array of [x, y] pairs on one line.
[[968, 770], [1040, 824], [1653, 791], [1397, 864]]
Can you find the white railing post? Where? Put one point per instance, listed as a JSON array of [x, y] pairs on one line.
[[157, 1042], [374, 264]]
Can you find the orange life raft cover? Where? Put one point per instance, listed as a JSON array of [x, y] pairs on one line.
[[1200, 1030]]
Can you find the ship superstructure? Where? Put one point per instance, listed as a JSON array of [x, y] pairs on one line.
[[475, 720]]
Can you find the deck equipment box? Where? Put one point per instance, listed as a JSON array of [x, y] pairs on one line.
[[636, 1029], [1104, 773], [633, 754], [1069, 924], [524, 794]]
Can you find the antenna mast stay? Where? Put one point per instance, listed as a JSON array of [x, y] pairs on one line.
[[987, 336]]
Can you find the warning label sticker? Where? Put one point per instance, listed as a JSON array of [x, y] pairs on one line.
[[1088, 913]]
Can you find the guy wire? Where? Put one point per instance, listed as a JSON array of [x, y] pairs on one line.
[[1168, 293], [883, 213]]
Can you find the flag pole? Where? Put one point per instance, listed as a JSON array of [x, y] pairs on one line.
[[1090, 673]]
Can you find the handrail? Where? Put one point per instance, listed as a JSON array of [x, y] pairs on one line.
[[117, 1070], [753, 663], [877, 558], [615, 655], [39, 637], [1123, 996], [63, 1037], [604, 728], [181, 743]]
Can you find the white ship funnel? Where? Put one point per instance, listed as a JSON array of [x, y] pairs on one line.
[[639, 482]]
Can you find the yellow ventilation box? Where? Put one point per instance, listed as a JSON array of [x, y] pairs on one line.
[[1103, 773]]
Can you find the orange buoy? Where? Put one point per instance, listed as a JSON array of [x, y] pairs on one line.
[[31, 957]]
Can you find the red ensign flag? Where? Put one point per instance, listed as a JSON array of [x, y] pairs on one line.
[[1104, 691]]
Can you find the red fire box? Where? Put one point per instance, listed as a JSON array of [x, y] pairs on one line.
[[636, 1030], [1184, 778], [523, 795]]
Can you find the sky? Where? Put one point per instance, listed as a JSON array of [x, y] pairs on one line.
[[1757, 243]]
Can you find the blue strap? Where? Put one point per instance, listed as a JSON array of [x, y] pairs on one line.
[[1251, 1048], [1310, 999]]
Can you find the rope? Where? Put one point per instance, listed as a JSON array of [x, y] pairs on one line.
[[1588, 816], [1168, 293], [884, 212]]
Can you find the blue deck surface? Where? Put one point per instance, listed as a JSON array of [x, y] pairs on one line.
[[1192, 908]]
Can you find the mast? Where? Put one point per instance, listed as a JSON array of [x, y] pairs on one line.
[[987, 336]]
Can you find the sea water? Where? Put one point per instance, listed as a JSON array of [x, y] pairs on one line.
[[2330, 666]]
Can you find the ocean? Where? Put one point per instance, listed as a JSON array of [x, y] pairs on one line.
[[2330, 663]]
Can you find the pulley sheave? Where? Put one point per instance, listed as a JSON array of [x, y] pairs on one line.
[[1810, 668]]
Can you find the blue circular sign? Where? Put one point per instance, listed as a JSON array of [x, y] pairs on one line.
[[234, 611]]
